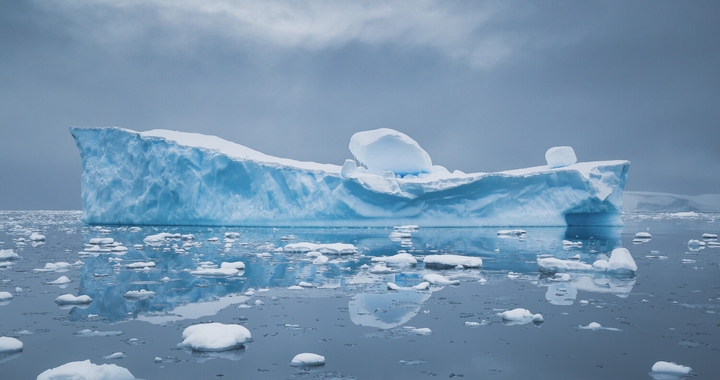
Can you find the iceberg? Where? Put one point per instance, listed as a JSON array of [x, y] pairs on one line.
[[162, 177]]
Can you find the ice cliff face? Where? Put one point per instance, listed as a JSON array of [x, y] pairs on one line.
[[172, 178]]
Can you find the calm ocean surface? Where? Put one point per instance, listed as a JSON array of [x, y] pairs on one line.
[[669, 311]]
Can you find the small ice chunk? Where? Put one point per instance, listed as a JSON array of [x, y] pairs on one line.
[[104, 241], [139, 294], [382, 269], [8, 254], [511, 233], [307, 359], [69, 299], [709, 236], [643, 235], [140, 265], [232, 235], [437, 279], [214, 272], [422, 331], [295, 287], [670, 367], [621, 261], [553, 265], [86, 370], [55, 267], [62, 280], [8, 345], [472, 324], [37, 237], [5, 296], [695, 245], [559, 156], [452, 261], [399, 259], [305, 284], [321, 260], [422, 286], [520, 315], [115, 355], [393, 286], [239, 265], [215, 337]]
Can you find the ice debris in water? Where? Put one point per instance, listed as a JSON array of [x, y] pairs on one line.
[[8, 345], [695, 245], [85, 370], [596, 326], [643, 235], [215, 337], [115, 355], [709, 236], [327, 249], [520, 315], [5, 296], [87, 333], [69, 299], [140, 265], [512, 233], [62, 280], [8, 254], [452, 261], [398, 259], [139, 294], [437, 279], [620, 262], [387, 150], [670, 367], [37, 237], [307, 359], [55, 267]]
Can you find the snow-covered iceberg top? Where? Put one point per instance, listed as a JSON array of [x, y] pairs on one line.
[[175, 178]]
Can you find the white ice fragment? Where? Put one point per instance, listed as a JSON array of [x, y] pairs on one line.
[[695, 245], [393, 286], [85, 370], [511, 233], [422, 286], [215, 272], [8, 345], [307, 359], [8, 254], [382, 269], [437, 279], [422, 331], [520, 316], [69, 299], [98, 241], [139, 294], [305, 284], [552, 265], [559, 156], [709, 236], [621, 261], [239, 265], [398, 259], [321, 260], [37, 237], [60, 266], [5, 296], [115, 355], [452, 261], [327, 249], [232, 235], [215, 337], [643, 235], [140, 265], [670, 367], [384, 149], [295, 287]]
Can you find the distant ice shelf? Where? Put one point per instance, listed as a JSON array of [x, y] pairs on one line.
[[162, 177]]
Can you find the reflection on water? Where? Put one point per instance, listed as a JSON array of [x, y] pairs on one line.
[[134, 263]]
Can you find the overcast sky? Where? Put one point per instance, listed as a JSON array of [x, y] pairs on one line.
[[482, 86]]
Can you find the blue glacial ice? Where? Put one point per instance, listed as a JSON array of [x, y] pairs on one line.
[[162, 177]]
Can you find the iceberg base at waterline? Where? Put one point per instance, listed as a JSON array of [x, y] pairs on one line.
[[175, 178]]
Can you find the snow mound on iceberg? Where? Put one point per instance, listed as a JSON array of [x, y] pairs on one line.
[[175, 178], [387, 150]]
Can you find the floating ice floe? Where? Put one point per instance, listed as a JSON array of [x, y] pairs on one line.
[[307, 359], [671, 368], [620, 262], [512, 233], [9, 345], [560, 156], [399, 259], [709, 236], [695, 245], [567, 244], [55, 267], [452, 261], [87, 333], [5, 296], [8, 254], [226, 269], [643, 235], [140, 265], [85, 370], [321, 260], [326, 249], [69, 299], [101, 241], [520, 316], [36, 237], [115, 355], [62, 280], [437, 279], [215, 337], [596, 326], [139, 294], [381, 268], [476, 324]]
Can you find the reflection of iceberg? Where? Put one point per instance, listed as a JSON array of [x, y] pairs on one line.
[[564, 292], [165, 177], [386, 310]]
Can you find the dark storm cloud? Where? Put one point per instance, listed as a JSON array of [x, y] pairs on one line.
[[481, 87]]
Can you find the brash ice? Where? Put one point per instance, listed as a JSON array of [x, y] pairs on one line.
[[163, 177]]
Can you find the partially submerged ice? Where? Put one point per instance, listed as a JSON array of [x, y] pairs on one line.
[[162, 177]]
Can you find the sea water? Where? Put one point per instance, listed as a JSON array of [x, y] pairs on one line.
[[146, 294]]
